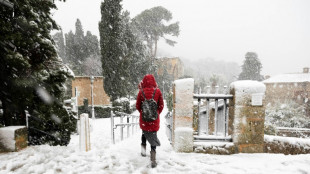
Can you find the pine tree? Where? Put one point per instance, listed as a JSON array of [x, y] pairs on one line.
[[91, 44], [251, 67], [79, 43], [80, 48], [70, 49], [31, 74]]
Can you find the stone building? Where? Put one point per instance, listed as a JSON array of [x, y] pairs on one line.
[[294, 86], [83, 85], [173, 66]]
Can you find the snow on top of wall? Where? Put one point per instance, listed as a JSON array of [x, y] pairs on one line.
[[184, 84], [11, 128], [248, 86], [291, 140], [288, 78]]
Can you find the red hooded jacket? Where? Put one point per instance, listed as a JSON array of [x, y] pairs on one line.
[[149, 85]]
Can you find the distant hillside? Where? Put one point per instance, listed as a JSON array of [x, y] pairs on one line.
[[204, 69]]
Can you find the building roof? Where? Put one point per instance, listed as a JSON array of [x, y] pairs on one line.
[[88, 77], [289, 78]]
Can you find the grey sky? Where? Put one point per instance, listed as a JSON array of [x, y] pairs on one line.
[[277, 30]]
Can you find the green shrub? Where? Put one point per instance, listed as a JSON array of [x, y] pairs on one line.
[[100, 111]]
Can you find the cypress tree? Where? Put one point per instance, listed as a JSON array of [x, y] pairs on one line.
[[111, 47], [123, 55]]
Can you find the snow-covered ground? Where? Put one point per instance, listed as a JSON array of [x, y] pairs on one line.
[[124, 157]]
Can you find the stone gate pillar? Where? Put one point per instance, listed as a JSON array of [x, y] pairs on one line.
[[182, 130], [247, 115]]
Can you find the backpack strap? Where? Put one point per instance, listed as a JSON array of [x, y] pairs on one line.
[[144, 94], [154, 93]]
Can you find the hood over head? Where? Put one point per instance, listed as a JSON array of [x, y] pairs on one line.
[[149, 81]]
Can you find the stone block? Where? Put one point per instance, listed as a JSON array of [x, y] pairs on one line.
[[183, 121], [13, 138], [250, 133], [250, 148], [184, 141]]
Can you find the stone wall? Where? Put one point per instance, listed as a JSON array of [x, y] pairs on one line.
[[286, 145], [83, 85]]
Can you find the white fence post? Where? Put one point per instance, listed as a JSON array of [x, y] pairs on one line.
[[84, 133], [122, 128], [112, 128], [128, 133]]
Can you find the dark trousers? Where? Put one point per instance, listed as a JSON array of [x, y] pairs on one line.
[[143, 139]]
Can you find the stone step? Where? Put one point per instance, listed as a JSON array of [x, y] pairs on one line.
[[215, 147]]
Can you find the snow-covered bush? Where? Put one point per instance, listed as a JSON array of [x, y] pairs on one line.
[[32, 75], [122, 105], [285, 114]]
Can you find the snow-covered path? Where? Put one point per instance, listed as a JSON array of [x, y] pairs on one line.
[[124, 157]]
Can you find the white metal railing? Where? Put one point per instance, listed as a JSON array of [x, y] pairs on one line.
[[220, 104], [131, 121]]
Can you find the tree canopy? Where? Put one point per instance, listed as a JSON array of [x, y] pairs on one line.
[[151, 26]]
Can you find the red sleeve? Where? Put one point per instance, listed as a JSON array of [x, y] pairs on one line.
[[138, 102], [160, 102]]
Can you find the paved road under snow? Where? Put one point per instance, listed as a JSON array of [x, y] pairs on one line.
[[124, 157]]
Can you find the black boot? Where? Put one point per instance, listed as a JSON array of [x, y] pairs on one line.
[[143, 150], [153, 159]]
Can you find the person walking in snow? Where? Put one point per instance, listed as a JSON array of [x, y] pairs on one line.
[[149, 91]]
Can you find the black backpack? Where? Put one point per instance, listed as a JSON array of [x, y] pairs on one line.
[[149, 108]]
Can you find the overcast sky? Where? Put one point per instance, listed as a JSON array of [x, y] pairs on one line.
[[277, 30]]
